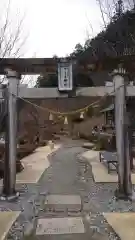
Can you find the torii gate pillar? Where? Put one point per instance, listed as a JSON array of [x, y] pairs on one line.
[[11, 135], [122, 139]]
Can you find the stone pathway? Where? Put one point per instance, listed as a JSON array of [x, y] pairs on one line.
[[65, 212], [66, 204]]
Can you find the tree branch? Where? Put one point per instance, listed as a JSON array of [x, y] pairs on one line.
[[11, 39]]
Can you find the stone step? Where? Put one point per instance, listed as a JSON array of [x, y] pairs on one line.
[[55, 226], [70, 203]]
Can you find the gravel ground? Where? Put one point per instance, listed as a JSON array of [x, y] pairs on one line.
[[67, 174]]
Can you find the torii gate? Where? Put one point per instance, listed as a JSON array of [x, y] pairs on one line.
[[15, 67]]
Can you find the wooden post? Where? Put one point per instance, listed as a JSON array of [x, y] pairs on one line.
[[122, 143]]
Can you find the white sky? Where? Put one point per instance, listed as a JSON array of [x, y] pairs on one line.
[[56, 26]]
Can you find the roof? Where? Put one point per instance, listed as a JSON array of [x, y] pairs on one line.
[[109, 108]]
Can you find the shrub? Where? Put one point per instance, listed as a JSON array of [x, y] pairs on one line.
[[90, 138], [90, 112], [103, 143]]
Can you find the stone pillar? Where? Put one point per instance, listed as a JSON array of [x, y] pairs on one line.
[[122, 141], [11, 139]]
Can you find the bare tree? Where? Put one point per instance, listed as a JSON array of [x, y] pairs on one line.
[[33, 112], [12, 38], [108, 8]]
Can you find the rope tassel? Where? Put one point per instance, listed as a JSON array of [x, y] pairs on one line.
[[65, 121], [51, 117], [82, 115]]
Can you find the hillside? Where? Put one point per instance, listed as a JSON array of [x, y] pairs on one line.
[[116, 40]]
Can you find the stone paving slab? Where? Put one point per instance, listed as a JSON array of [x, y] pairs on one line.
[[90, 155], [71, 203], [123, 224], [55, 226], [88, 145], [47, 148], [34, 165], [100, 173], [6, 221], [99, 170]]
